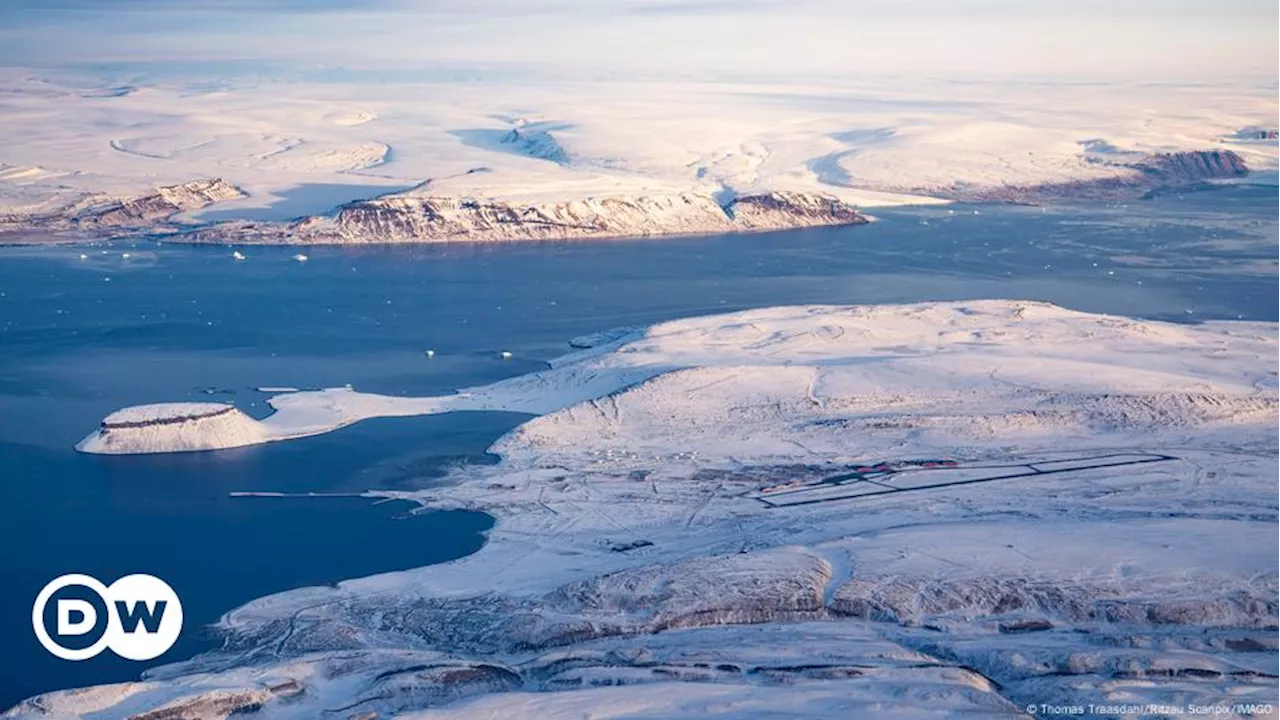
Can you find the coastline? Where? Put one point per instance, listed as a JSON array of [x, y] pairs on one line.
[[417, 217], [578, 532]]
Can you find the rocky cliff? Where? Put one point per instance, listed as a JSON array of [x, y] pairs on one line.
[[783, 209], [107, 212], [1190, 167], [1133, 179], [420, 218]]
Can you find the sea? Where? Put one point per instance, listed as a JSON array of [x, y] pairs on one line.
[[88, 329]]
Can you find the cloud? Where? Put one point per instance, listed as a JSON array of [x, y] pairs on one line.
[[162, 5], [1153, 39]]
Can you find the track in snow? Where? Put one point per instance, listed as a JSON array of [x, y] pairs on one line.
[[912, 475]]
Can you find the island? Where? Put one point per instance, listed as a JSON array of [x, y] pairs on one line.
[[970, 507]]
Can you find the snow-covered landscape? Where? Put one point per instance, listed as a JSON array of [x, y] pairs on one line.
[[728, 499], [636, 572], [498, 120], [455, 162]]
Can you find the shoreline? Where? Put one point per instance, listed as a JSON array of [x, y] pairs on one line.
[[413, 218], [577, 532], [532, 521]]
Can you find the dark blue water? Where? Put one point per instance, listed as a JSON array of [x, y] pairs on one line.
[[80, 338]]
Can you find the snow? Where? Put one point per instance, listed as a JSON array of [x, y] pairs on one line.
[[1114, 539], [164, 412], [918, 695], [188, 427], [102, 697], [1106, 370], [634, 570], [868, 142], [173, 427]]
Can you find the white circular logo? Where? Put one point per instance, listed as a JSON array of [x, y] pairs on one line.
[[76, 617]]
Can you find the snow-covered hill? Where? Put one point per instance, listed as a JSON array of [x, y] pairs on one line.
[[551, 158], [104, 213], [419, 218], [945, 509]]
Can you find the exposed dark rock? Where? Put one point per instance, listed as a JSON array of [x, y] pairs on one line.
[[212, 705], [1136, 176], [414, 218], [905, 600], [109, 424], [1246, 645], [101, 213], [1025, 626], [629, 546]]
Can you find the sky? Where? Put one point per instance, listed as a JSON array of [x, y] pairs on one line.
[[1150, 40]]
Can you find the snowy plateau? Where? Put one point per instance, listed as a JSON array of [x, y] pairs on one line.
[[934, 510], [316, 163]]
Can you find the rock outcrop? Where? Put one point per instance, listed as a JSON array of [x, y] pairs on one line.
[[98, 213], [173, 427], [1133, 179], [165, 202], [1191, 167], [778, 210], [424, 219]]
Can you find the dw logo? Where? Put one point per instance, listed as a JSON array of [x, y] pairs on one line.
[[76, 617]]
